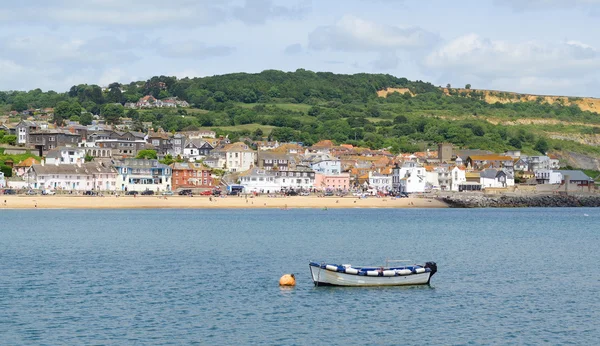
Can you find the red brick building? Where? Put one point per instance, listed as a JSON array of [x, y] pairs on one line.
[[191, 175]]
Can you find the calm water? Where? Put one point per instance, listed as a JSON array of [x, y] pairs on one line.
[[510, 276]]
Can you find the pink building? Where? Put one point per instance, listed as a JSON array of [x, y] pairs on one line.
[[332, 182]]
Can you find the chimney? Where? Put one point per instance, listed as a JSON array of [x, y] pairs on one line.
[[78, 162]]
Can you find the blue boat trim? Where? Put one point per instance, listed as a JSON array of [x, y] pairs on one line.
[[430, 267]]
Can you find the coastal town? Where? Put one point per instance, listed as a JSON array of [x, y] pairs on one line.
[[104, 159]]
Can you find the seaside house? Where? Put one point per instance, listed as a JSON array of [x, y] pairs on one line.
[[298, 178], [492, 178], [339, 182], [273, 161], [141, 175], [191, 175], [326, 164], [548, 176], [443, 177], [196, 149], [23, 129], [480, 162], [537, 163], [65, 155], [380, 182], [122, 148], [268, 181], [21, 168], [457, 177], [50, 139], [260, 180], [432, 180], [409, 178], [576, 179], [239, 157], [72, 177]]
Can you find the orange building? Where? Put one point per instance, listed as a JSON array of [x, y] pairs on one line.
[[191, 175]]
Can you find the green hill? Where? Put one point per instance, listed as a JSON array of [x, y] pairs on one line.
[[308, 106]]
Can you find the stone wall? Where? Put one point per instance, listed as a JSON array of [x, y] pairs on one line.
[[556, 200]]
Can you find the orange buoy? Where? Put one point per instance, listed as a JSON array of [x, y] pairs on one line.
[[287, 280]]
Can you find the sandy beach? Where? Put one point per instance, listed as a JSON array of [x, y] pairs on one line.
[[199, 202]]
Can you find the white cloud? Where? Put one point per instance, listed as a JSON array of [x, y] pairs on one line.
[[548, 4], [386, 61], [532, 66], [490, 58], [190, 49], [255, 12], [293, 49], [42, 49], [351, 33], [150, 14]]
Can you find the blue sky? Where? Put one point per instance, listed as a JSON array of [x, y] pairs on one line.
[[529, 46]]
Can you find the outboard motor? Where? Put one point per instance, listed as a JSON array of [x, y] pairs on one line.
[[432, 266]]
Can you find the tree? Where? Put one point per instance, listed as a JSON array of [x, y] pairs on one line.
[[85, 119], [400, 119], [448, 86], [112, 113], [541, 145], [314, 111], [74, 109], [147, 154], [19, 104], [114, 93], [61, 112], [167, 160], [9, 139], [468, 86], [220, 96]]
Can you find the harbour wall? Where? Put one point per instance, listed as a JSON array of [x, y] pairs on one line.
[[507, 201]]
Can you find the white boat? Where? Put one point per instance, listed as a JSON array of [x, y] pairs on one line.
[[325, 274]]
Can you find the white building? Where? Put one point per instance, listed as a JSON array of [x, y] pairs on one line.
[[2, 180], [432, 178], [380, 182], [409, 178], [239, 157], [260, 180], [72, 177], [196, 149], [492, 178], [457, 177], [298, 178], [326, 165], [269, 181], [548, 176], [143, 175], [65, 155]]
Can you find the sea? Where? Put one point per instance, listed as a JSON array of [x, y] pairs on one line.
[[526, 276]]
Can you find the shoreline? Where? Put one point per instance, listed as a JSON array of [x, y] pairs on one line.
[[204, 202]]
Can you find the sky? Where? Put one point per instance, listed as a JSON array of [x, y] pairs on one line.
[[529, 46]]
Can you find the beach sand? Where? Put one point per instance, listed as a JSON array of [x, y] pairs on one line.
[[199, 202]]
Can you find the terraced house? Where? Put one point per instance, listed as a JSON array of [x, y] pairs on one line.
[[191, 175], [142, 175], [72, 177]]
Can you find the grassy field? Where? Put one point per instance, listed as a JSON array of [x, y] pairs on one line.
[[248, 127], [298, 107]]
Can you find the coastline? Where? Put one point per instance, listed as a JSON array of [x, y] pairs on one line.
[[203, 202]]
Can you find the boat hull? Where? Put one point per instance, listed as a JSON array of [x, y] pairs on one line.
[[324, 277]]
